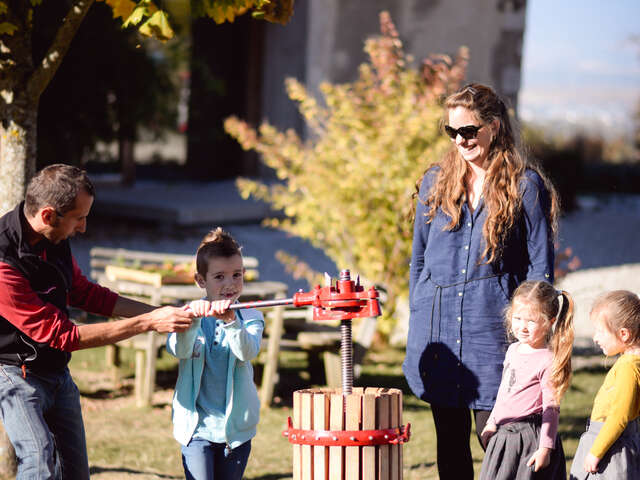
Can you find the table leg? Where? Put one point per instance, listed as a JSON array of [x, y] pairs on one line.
[[150, 369], [139, 377], [273, 350], [112, 353]]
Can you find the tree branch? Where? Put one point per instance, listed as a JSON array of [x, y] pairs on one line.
[[58, 49]]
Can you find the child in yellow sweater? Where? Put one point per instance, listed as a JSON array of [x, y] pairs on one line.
[[610, 448]]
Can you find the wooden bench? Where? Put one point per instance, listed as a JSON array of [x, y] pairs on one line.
[[147, 345]]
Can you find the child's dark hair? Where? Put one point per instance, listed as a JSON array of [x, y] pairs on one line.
[[216, 243], [622, 310], [558, 304]]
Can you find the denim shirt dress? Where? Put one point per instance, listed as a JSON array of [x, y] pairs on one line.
[[457, 338]]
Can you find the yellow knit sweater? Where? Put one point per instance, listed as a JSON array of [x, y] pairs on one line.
[[617, 402]]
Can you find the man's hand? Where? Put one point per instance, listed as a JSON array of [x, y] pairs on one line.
[[591, 463], [163, 320], [218, 308], [487, 432], [170, 319], [540, 459]]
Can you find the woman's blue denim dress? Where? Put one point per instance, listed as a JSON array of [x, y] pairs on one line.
[[457, 338]]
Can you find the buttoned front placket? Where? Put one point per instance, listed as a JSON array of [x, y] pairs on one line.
[[469, 222]]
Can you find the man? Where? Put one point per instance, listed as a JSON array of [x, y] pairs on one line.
[[39, 278]]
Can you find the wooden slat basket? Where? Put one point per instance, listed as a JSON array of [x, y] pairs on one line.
[[353, 437]]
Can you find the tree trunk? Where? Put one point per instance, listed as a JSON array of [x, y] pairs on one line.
[[127, 160], [218, 89], [17, 151], [8, 464], [18, 125]]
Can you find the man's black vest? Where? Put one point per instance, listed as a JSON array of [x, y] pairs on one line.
[[51, 279]]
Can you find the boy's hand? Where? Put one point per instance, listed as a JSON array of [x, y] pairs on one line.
[[218, 308], [487, 432], [591, 463], [200, 308], [540, 459]]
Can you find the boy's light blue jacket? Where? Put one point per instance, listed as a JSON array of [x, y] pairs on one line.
[[243, 338]]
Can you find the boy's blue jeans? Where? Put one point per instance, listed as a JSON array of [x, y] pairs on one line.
[[204, 460], [42, 417]]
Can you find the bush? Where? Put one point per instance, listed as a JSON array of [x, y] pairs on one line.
[[348, 188]]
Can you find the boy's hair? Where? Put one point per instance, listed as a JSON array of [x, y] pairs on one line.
[[216, 243], [551, 303], [622, 309], [56, 186]]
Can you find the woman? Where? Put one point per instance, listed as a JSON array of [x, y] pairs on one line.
[[485, 221]]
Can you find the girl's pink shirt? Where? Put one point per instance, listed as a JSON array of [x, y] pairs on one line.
[[524, 390]]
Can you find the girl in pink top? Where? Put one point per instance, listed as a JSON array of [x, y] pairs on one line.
[[520, 435]]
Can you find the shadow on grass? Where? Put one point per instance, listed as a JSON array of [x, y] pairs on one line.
[[593, 369], [108, 394], [573, 426], [272, 476], [290, 380], [417, 466], [166, 379], [95, 470]]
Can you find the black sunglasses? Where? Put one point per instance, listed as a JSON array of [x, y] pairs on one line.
[[467, 132]]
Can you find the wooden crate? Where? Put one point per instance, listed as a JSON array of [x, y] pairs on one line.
[[157, 279], [327, 409], [150, 274]]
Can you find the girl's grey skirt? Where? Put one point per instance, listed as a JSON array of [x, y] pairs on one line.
[[622, 460], [512, 446]]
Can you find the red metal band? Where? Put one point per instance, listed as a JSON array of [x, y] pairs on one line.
[[347, 438]]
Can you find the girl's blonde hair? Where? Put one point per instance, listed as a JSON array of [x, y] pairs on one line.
[[505, 168], [216, 243], [622, 309], [551, 304]]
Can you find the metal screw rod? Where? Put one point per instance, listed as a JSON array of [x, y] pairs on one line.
[[346, 357]]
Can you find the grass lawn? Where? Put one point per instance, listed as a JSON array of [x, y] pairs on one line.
[[128, 442]]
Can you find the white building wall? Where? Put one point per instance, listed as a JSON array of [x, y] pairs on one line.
[[492, 29]]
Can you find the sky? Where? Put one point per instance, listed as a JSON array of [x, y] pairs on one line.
[[580, 65]]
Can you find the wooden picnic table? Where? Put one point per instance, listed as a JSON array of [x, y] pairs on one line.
[[123, 271], [147, 344]]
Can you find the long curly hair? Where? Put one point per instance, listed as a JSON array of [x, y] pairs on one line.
[[505, 167]]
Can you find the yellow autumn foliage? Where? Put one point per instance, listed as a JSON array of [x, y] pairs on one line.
[[153, 21]]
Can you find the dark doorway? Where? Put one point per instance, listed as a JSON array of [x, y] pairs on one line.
[[226, 71]]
